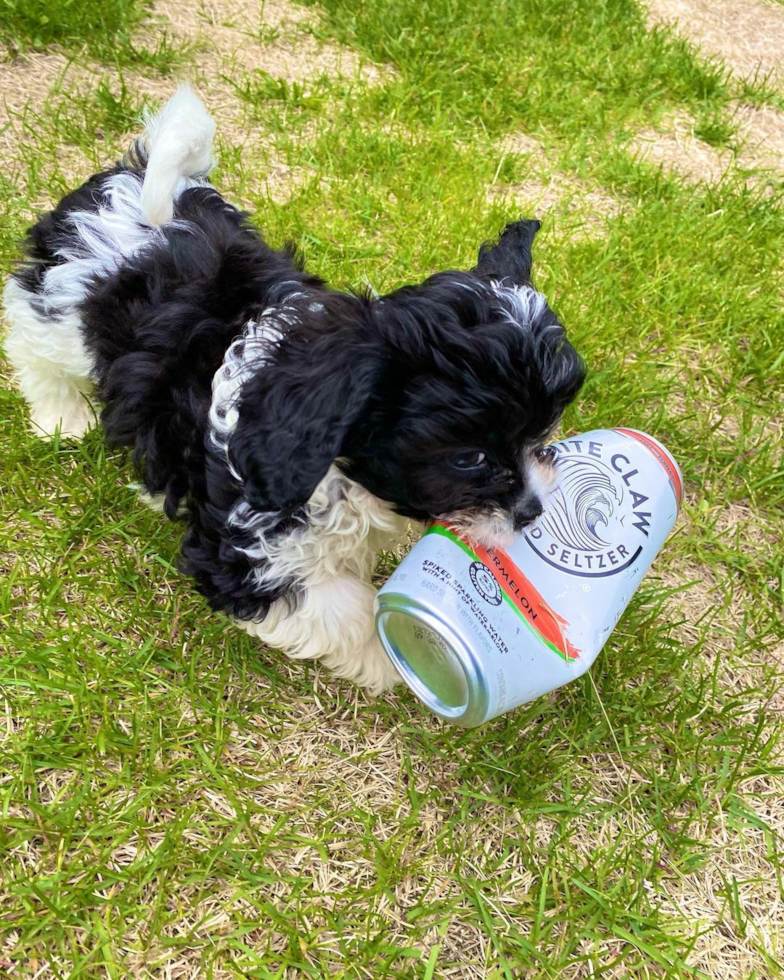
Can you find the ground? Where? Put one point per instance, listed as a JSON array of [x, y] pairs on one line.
[[177, 802]]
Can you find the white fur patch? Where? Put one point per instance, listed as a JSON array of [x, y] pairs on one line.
[[344, 527], [244, 357], [102, 241], [179, 139], [491, 528], [524, 304], [45, 344], [540, 477], [156, 501], [51, 364], [331, 555], [334, 624]]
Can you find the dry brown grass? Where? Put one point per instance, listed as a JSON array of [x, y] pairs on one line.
[[25, 84], [728, 952], [713, 611], [761, 134], [747, 34], [673, 146], [235, 38], [26, 80], [322, 758], [230, 38], [716, 599], [579, 206]]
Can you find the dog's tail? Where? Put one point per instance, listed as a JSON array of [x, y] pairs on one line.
[[177, 144]]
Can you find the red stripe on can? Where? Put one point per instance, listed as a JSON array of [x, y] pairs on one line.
[[527, 599], [524, 597], [663, 457]]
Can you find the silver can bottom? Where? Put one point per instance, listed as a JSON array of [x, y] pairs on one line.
[[433, 660]]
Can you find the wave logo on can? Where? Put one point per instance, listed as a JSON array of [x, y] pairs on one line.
[[597, 518], [484, 583]]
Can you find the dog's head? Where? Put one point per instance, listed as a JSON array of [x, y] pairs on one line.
[[437, 398]]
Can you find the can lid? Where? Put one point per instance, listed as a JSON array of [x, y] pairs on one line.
[[432, 660]]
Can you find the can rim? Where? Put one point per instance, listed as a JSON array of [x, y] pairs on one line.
[[475, 710]]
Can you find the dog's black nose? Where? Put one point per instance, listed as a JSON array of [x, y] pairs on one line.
[[526, 512]]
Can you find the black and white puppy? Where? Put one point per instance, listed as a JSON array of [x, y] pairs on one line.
[[300, 429]]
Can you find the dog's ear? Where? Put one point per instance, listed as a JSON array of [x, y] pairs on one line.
[[510, 257], [295, 412]]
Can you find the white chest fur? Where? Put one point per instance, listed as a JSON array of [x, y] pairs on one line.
[[345, 527]]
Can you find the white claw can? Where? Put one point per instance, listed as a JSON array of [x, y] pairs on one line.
[[477, 631]]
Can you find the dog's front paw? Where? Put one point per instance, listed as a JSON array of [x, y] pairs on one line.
[[374, 670]]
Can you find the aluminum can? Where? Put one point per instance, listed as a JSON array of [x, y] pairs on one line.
[[477, 631]]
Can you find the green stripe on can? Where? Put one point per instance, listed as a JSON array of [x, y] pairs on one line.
[[451, 536]]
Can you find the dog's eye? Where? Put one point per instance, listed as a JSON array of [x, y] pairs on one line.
[[469, 461], [546, 454]]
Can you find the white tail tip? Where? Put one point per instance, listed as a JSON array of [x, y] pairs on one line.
[[179, 144]]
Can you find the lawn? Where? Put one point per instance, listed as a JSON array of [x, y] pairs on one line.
[[176, 801]]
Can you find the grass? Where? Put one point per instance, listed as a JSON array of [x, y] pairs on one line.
[[39, 23], [106, 29], [174, 800]]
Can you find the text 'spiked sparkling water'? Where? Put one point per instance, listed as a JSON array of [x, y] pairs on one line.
[[478, 631]]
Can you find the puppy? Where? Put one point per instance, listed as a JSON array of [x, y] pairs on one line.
[[300, 429]]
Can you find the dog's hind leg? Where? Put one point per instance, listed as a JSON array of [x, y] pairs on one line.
[[334, 624], [51, 363]]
